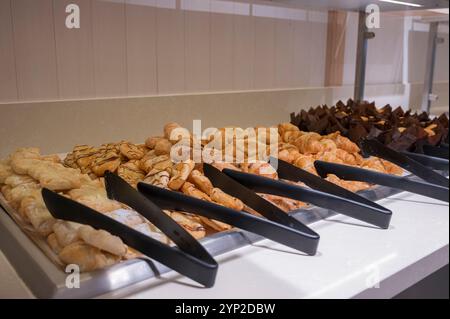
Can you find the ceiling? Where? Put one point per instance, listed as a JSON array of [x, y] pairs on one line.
[[358, 5]]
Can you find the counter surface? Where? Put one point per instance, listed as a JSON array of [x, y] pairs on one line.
[[355, 260]]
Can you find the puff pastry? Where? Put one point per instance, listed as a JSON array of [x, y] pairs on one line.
[[88, 258], [102, 240]]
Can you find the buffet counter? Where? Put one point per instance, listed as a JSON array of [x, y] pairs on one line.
[[352, 258]]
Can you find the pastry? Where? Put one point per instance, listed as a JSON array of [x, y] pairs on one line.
[[53, 243], [215, 224], [162, 147], [125, 216], [188, 222], [88, 258], [65, 232], [131, 151], [151, 141], [131, 172], [157, 178], [399, 129], [153, 162], [36, 213], [180, 173], [102, 240], [191, 190], [201, 181], [285, 204], [83, 155], [106, 161], [222, 198], [95, 197], [260, 168], [5, 171]]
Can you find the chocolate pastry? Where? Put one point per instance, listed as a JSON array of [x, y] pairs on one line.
[[399, 129]]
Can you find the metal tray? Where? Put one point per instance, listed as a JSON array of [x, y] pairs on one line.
[[48, 280]]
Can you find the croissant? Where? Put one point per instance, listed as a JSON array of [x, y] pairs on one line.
[[373, 163], [291, 136], [329, 157], [288, 152], [260, 168], [392, 168], [347, 158], [285, 127], [343, 142], [305, 162], [309, 143], [352, 186]]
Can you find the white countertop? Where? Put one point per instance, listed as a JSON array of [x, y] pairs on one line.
[[352, 258]]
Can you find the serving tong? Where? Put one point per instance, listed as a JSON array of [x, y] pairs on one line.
[[434, 185], [437, 151], [321, 192], [190, 258], [437, 163], [299, 238], [305, 239], [371, 147]]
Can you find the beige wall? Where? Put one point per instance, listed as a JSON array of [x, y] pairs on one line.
[[148, 47]]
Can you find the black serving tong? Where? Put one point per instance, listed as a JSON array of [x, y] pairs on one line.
[[436, 151], [190, 258], [375, 148], [307, 241], [280, 233], [373, 213], [364, 175], [437, 163], [327, 195]]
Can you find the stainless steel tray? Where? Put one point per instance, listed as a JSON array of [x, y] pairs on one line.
[[46, 280]]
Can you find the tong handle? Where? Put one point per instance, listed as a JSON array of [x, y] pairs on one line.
[[436, 163], [203, 271], [441, 151], [376, 216], [364, 175], [277, 232]]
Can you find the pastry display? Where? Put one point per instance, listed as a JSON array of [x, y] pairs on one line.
[[329, 148], [26, 172], [396, 128], [79, 176]]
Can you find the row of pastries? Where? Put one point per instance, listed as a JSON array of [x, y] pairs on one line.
[[79, 176]]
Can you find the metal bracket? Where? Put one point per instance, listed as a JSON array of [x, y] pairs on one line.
[[427, 93], [361, 56]]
